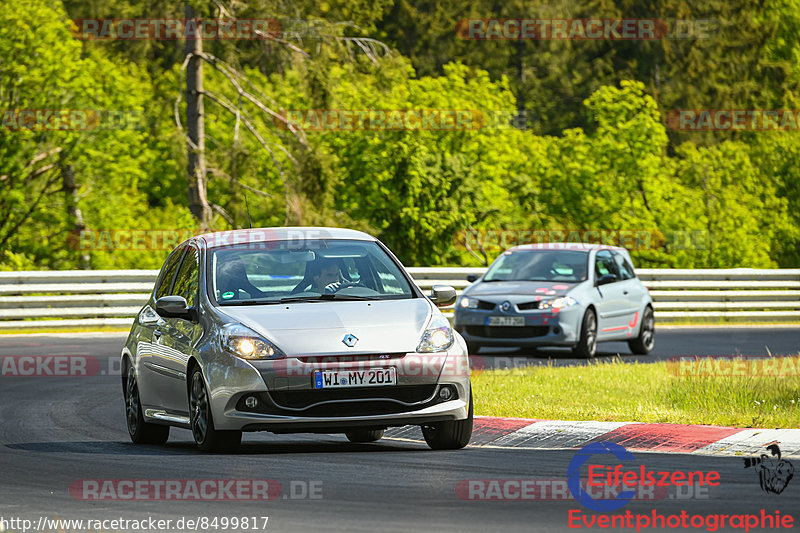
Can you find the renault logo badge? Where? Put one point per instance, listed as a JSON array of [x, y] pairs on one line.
[[350, 340], [505, 306]]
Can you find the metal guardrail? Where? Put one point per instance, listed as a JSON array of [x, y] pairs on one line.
[[39, 299]]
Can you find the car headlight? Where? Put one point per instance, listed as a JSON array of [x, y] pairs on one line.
[[245, 343], [468, 303], [558, 303], [438, 336]]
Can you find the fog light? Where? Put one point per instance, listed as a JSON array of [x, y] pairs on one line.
[[445, 393], [251, 401]]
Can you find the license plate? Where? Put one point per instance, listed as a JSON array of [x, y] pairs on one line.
[[372, 377], [505, 320]]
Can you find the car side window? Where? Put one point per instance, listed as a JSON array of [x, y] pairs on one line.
[[390, 283], [168, 273], [186, 282], [604, 264], [624, 267]]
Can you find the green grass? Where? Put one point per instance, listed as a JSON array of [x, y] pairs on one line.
[[638, 392]]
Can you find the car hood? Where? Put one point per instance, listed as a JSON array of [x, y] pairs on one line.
[[317, 328], [500, 289]]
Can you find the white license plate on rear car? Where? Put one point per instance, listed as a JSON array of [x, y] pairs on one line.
[[505, 320], [370, 377]]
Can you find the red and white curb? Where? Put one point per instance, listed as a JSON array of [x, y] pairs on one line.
[[532, 434]]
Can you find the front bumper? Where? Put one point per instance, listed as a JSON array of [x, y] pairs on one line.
[[542, 327], [288, 402], [451, 410]]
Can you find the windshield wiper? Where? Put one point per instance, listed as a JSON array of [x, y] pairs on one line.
[[308, 298], [326, 297], [521, 279], [257, 301], [353, 297]]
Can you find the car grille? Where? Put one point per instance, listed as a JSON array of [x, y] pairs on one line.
[[284, 402], [365, 408], [346, 358], [300, 399], [527, 306], [507, 332], [488, 306]]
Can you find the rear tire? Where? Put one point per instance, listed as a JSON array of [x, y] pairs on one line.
[[587, 345], [206, 436], [141, 432], [644, 343], [364, 435], [451, 434]]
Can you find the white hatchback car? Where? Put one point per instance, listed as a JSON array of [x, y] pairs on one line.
[[558, 294]]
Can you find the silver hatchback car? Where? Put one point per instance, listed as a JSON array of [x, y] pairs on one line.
[[558, 294], [293, 330]]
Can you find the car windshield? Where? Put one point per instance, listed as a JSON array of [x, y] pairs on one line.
[[314, 270], [539, 265]]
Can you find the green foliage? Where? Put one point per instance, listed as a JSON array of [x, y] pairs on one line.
[[596, 154], [417, 188]]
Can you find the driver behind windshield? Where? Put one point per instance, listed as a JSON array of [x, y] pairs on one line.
[[324, 275]]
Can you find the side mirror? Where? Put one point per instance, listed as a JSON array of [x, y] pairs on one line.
[[443, 295], [605, 279], [472, 277], [175, 307]]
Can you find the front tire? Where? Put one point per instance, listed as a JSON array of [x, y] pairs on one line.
[[587, 345], [451, 434], [644, 343], [141, 432], [206, 436], [364, 435]]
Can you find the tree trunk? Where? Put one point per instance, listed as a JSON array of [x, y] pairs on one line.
[[74, 215], [198, 199], [520, 121]]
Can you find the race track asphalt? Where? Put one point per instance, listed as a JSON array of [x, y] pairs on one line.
[[58, 432]]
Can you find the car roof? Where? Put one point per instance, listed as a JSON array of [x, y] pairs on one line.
[[251, 235], [574, 246]]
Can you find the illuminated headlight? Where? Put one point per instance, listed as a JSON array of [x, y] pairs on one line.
[[558, 303], [245, 343], [438, 336], [468, 303]]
